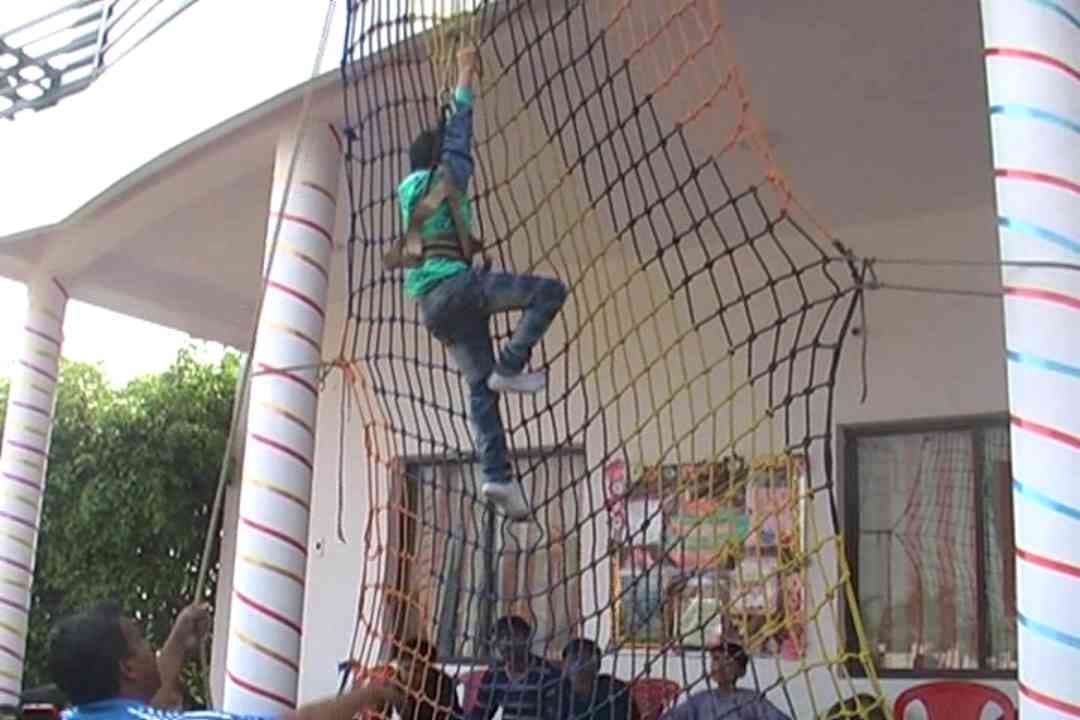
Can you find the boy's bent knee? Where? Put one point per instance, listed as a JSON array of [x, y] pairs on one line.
[[554, 293]]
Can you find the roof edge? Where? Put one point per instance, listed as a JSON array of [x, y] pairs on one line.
[[186, 150]]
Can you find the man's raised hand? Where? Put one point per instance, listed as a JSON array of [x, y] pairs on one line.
[[191, 626]]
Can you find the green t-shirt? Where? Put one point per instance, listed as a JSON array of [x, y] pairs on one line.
[[422, 279]]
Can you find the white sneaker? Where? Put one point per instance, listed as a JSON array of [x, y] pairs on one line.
[[525, 383], [509, 498]]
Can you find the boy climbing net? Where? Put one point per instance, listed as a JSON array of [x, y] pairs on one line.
[[456, 299]]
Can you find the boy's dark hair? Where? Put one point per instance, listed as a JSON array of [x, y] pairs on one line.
[[733, 650], [510, 625], [423, 153], [415, 648], [579, 647], [85, 652]]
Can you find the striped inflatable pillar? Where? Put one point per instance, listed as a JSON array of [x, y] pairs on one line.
[[266, 610], [1033, 80], [27, 428]]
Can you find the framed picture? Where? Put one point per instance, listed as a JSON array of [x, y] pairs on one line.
[[700, 548], [772, 494], [702, 603], [643, 614]]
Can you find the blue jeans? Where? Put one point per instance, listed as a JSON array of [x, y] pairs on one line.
[[458, 313]]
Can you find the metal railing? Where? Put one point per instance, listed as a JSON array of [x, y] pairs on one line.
[[64, 51]]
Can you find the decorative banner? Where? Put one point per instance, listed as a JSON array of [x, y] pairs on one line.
[[705, 548]]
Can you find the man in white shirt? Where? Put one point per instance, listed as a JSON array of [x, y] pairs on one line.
[[725, 701]]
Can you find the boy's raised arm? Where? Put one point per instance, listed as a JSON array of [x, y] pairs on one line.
[[457, 136]]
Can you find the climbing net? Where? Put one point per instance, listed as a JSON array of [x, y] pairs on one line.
[[679, 460]]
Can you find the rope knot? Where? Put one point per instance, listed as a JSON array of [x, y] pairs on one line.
[[347, 368], [870, 277]]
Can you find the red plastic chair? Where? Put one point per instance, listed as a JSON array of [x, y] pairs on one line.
[[40, 711], [471, 681], [954, 701], [653, 696]]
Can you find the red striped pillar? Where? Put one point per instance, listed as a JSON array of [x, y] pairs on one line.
[[23, 456], [266, 610], [1033, 83]]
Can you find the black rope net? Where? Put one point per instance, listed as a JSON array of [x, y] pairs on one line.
[[679, 461]]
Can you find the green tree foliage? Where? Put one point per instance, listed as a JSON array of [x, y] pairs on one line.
[[131, 478]]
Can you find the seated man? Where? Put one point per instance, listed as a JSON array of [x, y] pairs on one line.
[[725, 701], [108, 671], [431, 693], [524, 685], [588, 695], [457, 301]]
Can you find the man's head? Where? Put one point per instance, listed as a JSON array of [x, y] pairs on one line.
[[424, 150], [729, 662], [513, 637], [413, 658], [581, 659], [100, 654]]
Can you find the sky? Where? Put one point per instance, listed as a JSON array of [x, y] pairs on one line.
[[215, 60]]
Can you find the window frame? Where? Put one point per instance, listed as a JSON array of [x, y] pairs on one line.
[[848, 435], [405, 524]]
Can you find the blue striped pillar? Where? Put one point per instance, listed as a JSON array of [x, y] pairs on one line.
[[1033, 84]]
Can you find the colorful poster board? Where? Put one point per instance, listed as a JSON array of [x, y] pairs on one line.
[[706, 548]]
